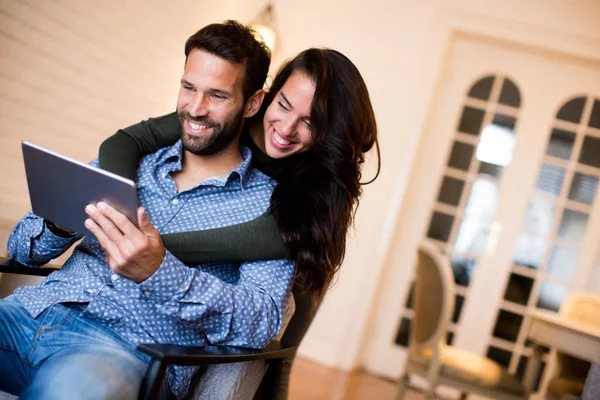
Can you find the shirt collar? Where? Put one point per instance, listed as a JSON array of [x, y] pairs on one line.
[[174, 154]]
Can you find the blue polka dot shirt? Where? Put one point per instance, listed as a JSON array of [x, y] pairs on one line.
[[219, 303]]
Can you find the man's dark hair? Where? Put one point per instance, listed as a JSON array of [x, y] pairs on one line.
[[235, 43]]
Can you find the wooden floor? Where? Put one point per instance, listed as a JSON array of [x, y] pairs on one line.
[[310, 381]]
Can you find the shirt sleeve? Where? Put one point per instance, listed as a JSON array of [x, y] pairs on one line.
[[31, 242], [248, 313]]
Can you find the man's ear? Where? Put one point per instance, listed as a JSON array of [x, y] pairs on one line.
[[254, 102]]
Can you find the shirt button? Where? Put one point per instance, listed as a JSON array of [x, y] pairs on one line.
[[114, 277], [147, 293], [175, 201], [90, 291]]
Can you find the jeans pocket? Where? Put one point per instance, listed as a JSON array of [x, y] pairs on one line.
[[55, 317]]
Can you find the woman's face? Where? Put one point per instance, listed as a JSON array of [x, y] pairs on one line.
[[287, 119]]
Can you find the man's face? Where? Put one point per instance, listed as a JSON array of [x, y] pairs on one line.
[[210, 104]]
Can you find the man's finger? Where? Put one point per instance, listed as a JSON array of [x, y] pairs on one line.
[[118, 219], [109, 228], [110, 248], [114, 232]]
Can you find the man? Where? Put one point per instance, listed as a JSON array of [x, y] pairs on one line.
[[74, 335]]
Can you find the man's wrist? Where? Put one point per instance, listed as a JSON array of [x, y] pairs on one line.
[[52, 227]]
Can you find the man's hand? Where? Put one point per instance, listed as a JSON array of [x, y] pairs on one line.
[[131, 252]]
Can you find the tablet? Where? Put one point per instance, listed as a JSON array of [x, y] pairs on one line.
[[60, 188]]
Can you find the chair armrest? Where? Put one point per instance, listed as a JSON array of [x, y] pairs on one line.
[[196, 355], [10, 266], [165, 354]]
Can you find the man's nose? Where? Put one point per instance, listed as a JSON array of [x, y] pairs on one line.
[[198, 106]]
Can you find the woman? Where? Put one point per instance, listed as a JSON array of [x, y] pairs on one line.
[[311, 134]]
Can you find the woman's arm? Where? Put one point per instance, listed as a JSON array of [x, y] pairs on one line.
[[121, 152], [254, 240]]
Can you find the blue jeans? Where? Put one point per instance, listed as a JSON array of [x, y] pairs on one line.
[[62, 355]]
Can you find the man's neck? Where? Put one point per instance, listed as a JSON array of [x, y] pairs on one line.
[[198, 168]]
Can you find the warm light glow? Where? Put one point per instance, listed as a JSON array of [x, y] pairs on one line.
[[266, 34]]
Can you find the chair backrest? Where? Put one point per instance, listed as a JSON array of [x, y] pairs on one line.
[[583, 309], [433, 297], [275, 383]]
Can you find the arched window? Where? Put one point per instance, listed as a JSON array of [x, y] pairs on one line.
[[548, 247]]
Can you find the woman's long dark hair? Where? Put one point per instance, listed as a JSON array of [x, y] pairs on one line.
[[318, 192]]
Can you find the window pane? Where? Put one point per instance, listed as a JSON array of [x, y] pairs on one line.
[[551, 296], [501, 356], [479, 214], [403, 334], [518, 289], [590, 151], [509, 95], [572, 110], [583, 188], [471, 236], [572, 225], [471, 120], [508, 325], [530, 250], [482, 89], [550, 179], [460, 157], [595, 117], [561, 144], [562, 262], [458, 305], [409, 299], [482, 199], [440, 226], [505, 121], [462, 267], [449, 338], [540, 216], [496, 144], [495, 171], [451, 190], [521, 368]]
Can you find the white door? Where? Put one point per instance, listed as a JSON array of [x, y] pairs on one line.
[[505, 183]]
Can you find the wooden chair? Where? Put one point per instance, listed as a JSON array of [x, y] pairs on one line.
[[430, 357]]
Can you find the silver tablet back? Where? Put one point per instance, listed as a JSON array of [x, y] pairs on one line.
[[60, 188]]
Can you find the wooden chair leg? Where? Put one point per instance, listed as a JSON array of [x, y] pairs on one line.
[[402, 386]]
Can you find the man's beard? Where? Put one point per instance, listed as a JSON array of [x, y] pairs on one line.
[[222, 134]]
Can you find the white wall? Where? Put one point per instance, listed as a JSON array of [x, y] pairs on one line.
[[72, 72]]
